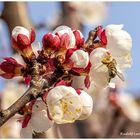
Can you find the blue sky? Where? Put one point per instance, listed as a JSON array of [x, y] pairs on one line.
[[126, 13]]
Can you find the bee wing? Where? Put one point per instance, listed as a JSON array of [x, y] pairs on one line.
[[96, 68], [120, 75]]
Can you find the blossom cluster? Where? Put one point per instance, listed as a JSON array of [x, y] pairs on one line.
[[66, 50]]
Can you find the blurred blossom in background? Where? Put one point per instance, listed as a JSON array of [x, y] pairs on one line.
[[45, 16]]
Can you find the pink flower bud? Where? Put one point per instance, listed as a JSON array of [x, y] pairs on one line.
[[21, 41], [10, 68], [102, 36], [51, 41], [65, 41], [66, 35], [80, 59], [79, 38]]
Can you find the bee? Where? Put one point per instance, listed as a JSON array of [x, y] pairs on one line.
[[112, 70]]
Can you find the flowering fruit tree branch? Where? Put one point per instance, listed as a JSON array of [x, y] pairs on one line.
[[51, 73]]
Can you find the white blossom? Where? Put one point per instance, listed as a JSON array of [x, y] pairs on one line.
[[87, 105], [65, 29], [80, 59], [20, 30], [64, 104]]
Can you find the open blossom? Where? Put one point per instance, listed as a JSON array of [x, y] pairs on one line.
[[87, 105], [64, 104], [10, 68], [21, 41], [66, 36], [118, 42], [39, 121]]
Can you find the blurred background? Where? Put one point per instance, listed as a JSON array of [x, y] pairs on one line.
[[116, 112]]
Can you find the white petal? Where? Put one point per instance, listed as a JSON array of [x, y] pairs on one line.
[[96, 56], [80, 59], [26, 132], [38, 106], [87, 105], [100, 76], [40, 121], [20, 30], [65, 29], [99, 72], [119, 42], [124, 62], [112, 27], [64, 104]]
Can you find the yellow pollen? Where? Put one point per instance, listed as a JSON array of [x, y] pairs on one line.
[[78, 110], [64, 106]]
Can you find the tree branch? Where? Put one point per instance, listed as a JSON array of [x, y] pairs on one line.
[[31, 93]]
